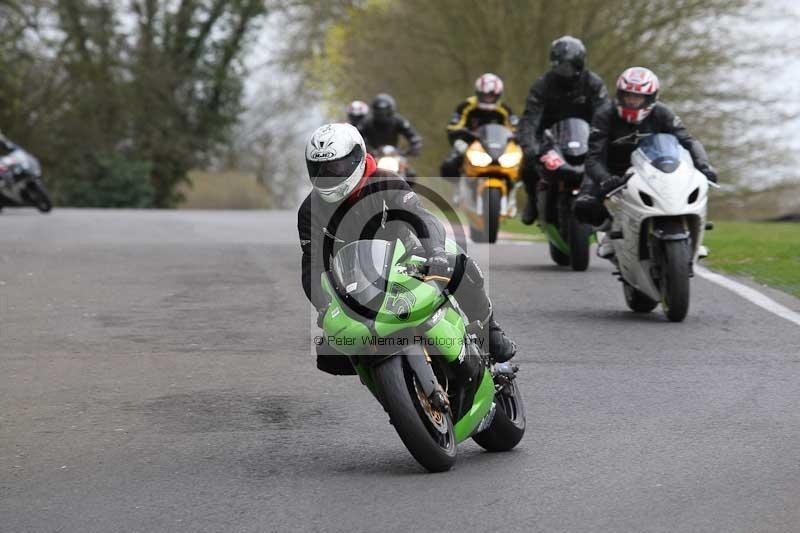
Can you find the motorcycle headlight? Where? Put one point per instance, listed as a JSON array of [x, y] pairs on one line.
[[510, 159], [478, 158], [389, 163]]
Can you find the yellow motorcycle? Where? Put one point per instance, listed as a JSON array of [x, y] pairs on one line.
[[489, 179]]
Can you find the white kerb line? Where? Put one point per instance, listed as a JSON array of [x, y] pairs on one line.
[[749, 294]]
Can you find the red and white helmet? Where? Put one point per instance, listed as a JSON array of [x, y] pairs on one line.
[[489, 90], [636, 81], [356, 111]]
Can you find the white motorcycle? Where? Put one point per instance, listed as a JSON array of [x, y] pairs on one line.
[[659, 219], [21, 181]]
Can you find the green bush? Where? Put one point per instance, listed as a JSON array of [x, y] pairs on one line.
[[109, 181]]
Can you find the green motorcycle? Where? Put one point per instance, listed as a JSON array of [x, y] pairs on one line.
[[408, 340]]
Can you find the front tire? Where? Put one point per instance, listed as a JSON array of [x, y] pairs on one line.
[[579, 244], [508, 426], [675, 280], [637, 301], [434, 447], [37, 195], [491, 213]]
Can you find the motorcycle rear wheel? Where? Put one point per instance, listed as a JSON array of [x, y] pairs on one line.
[[637, 301], [508, 425], [428, 434]]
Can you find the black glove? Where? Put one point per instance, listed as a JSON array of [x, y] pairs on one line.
[[439, 264], [710, 173], [612, 182]]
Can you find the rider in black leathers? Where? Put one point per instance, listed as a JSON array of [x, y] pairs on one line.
[[616, 130], [384, 126], [567, 90]]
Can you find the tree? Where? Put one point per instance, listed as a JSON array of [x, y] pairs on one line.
[[156, 81], [428, 54]]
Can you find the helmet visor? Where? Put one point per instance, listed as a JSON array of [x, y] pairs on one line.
[[567, 69], [631, 100], [329, 174], [488, 98]]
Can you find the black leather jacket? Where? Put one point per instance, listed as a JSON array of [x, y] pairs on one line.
[[550, 101], [379, 133], [384, 208], [613, 140]]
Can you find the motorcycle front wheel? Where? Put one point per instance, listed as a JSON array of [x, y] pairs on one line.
[[491, 213], [579, 244], [37, 195], [426, 432], [675, 280]]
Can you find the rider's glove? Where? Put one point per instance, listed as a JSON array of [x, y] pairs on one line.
[[439, 264], [612, 182], [710, 173], [460, 146]]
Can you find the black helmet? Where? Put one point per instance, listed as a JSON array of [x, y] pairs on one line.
[[567, 57], [383, 107]]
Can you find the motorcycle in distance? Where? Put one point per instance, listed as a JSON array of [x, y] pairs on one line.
[[390, 158], [658, 223], [406, 336], [563, 170], [21, 182], [489, 180]]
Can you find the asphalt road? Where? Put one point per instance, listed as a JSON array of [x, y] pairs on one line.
[[156, 375]]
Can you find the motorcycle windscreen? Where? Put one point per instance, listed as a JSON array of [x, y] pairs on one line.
[[494, 139], [662, 151], [572, 137], [361, 274]]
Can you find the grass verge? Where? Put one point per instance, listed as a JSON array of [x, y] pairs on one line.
[[768, 252], [224, 190]]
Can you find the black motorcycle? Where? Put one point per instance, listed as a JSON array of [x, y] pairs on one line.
[[562, 169], [21, 181]]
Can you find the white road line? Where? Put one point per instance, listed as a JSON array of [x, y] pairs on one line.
[[752, 295]]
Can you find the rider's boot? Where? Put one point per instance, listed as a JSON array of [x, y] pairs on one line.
[[501, 348]]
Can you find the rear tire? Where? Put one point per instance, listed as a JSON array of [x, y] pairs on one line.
[[491, 213], [558, 257], [637, 301], [508, 425], [434, 450], [579, 244], [675, 280]]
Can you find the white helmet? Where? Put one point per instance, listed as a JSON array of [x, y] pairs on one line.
[[336, 159]]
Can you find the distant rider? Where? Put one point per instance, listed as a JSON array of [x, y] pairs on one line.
[[356, 112], [567, 90], [384, 126], [616, 130], [353, 200], [485, 107]]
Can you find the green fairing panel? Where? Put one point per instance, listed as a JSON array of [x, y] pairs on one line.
[[448, 334], [555, 237], [409, 301], [481, 405]]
